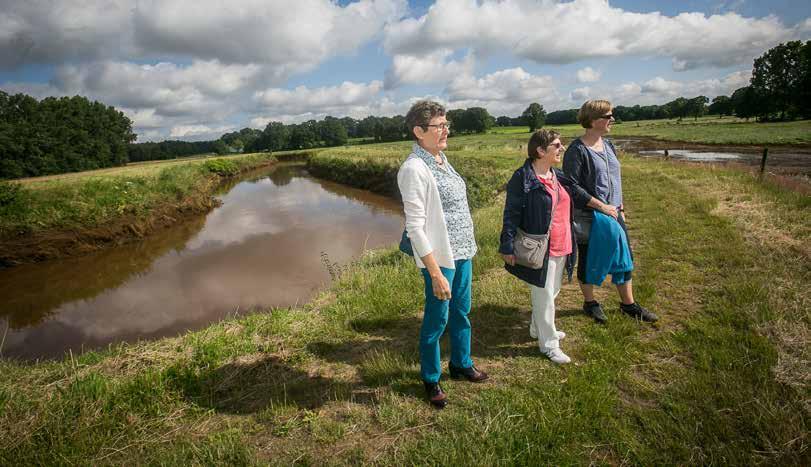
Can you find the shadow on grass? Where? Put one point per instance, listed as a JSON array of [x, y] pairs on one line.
[[249, 387]]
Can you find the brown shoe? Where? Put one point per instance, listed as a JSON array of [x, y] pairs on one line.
[[436, 396], [471, 374]]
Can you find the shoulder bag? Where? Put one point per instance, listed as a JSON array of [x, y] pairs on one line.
[[530, 249]]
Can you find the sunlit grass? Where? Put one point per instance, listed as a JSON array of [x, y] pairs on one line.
[[721, 379]]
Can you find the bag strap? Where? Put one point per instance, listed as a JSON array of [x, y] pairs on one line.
[[555, 199]]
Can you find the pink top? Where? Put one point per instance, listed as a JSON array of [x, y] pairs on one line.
[[560, 235]]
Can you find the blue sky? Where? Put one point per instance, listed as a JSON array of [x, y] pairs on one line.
[[193, 69]]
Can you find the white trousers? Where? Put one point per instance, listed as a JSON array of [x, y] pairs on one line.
[[543, 304]]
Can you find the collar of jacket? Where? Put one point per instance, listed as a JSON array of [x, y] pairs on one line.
[[531, 181]]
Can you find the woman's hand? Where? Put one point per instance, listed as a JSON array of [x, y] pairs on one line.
[[509, 259], [442, 290], [609, 210]]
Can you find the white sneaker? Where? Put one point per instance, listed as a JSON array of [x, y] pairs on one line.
[[557, 356], [560, 334]]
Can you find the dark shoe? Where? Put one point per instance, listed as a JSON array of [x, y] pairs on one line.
[[436, 396], [637, 311], [594, 310], [471, 374]]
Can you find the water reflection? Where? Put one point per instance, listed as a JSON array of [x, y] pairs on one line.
[[262, 247]]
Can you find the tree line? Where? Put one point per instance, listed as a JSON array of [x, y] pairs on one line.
[[58, 135]]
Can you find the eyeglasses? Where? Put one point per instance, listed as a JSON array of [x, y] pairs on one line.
[[607, 116], [557, 145], [441, 127]]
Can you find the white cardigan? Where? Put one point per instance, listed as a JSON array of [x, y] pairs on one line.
[[425, 220]]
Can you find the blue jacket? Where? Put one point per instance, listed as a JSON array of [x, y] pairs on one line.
[[580, 167], [529, 206], [613, 256]]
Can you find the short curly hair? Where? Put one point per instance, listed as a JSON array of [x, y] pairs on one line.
[[421, 113], [591, 111], [540, 139]]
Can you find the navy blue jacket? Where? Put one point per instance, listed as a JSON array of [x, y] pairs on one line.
[[529, 206]]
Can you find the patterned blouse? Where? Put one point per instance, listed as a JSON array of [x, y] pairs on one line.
[[453, 194]]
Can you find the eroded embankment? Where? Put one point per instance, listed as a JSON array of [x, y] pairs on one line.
[[79, 217]]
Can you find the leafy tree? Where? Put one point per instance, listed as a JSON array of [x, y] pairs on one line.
[[304, 135], [777, 76], [503, 121], [721, 105], [534, 116], [562, 117], [747, 102], [366, 127], [697, 106], [332, 132]]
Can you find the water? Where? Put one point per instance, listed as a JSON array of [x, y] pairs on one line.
[[781, 159], [262, 248]]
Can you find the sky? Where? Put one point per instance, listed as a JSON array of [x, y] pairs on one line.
[[195, 69]]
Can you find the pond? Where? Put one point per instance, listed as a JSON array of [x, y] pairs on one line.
[[267, 245], [781, 159]]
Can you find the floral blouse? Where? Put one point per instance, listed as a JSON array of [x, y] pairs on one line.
[[453, 194]]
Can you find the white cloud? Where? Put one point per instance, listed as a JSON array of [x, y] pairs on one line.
[[432, 68], [287, 35], [167, 88], [503, 92], [199, 131], [660, 90], [584, 29], [580, 94], [588, 75], [339, 100], [41, 31]]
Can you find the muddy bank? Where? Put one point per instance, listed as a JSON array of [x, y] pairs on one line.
[[44, 245]]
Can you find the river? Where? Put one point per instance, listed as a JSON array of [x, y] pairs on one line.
[[267, 245]]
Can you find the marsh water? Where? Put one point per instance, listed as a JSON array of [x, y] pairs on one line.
[[780, 159], [267, 245]]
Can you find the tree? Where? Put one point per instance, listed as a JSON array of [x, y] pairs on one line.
[[562, 117], [747, 102], [777, 77], [721, 105], [534, 116], [697, 106], [503, 121], [332, 132]]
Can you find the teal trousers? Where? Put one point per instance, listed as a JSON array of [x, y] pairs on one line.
[[452, 314]]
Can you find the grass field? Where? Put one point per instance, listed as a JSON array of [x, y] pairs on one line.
[[53, 216], [721, 379], [707, 130]]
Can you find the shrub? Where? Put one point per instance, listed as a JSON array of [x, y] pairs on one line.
[[9, 193], [222, 167]]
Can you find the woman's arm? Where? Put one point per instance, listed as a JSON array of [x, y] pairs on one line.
[[414, 191], [606, 209], [513, 210]]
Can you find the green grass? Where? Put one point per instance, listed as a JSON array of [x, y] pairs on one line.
[[92, 199], [707, 130], [721, 379]]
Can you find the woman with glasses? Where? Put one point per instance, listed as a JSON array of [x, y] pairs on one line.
[[591, 161], [440, 228], [539, 201]]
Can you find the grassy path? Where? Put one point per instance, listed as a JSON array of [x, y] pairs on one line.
[[722, 378]]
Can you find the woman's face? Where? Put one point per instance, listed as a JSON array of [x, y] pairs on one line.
[[434, 136], [603, 124], [553, 153]]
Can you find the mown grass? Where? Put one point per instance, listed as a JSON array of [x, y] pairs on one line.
[[336, 381], [707, 130]]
